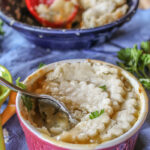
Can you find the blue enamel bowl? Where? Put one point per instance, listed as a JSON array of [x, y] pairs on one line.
[[58, 38]]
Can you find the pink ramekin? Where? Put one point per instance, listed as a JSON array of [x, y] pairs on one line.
[[38, 141]]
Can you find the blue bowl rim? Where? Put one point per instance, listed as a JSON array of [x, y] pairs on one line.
[[44, 30]]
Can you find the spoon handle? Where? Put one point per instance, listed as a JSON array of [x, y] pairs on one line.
[[9, 85], [18, 89], [14, 87]]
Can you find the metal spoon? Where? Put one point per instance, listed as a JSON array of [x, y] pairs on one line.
[[44, 98]]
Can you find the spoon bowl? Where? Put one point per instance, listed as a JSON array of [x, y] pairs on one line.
[[49, 100], [32, 4]]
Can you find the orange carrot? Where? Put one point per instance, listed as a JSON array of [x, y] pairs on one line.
[[10, 109]]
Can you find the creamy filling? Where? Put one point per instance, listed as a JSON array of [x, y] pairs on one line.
[[86, 89], [59, 11], [91, 13]]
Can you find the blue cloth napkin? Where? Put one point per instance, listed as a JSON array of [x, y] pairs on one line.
[[22, 58]]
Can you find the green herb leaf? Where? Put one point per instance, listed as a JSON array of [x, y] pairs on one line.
[[26, 99], [145, 82], [41, 65], [145, 59], [124, 54], [103, 87], [96, 114], [144, 64], [129, 58], [1, 29], [27, 102], [145, 46], [137, 61], [135, 56], [19, 84]]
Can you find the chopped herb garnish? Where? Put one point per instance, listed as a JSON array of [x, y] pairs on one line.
[[145, 46], [41, 65], [103, 87], [27, 102], [96, 114], [26, 99], [146, 83], [1, 29], [137, 61], [19, 84]]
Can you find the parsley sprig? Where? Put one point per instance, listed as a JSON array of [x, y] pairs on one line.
[[19, 84], [41, 65], [26, 99], [27, 102], [137, 61], [96, 114], [103, 87]]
